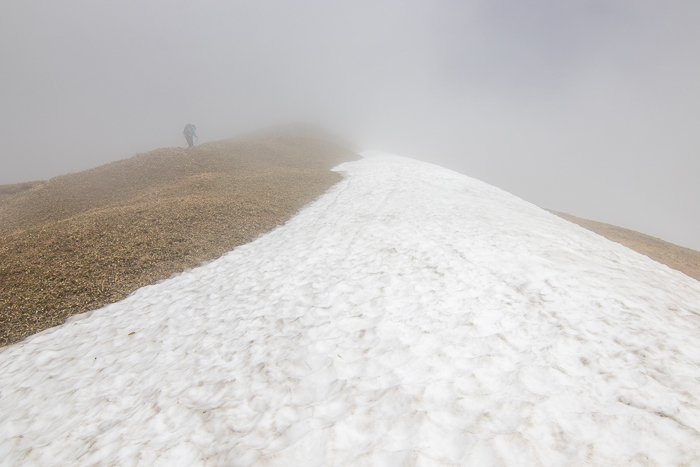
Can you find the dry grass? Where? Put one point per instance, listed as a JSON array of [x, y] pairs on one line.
[[676, 257], [80, 241]]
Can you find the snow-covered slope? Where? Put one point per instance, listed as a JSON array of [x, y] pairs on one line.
[[410, 316]]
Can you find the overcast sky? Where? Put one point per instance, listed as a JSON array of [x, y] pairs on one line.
[[591, 107]]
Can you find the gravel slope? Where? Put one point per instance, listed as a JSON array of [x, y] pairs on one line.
[[80, 241]]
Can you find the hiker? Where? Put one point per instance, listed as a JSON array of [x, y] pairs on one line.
[[189, 132]]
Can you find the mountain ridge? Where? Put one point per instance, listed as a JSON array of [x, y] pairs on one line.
[[82, 240], [410, 314]]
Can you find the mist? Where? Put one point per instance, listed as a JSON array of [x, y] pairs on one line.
[[590, 107]]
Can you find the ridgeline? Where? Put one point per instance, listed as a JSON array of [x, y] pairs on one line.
[[80, 241]]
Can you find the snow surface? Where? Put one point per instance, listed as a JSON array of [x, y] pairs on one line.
[[409, 316]]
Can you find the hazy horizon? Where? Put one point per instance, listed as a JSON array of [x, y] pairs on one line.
[[589, 107]]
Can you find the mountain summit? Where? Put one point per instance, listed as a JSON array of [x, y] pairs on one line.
[[409, 316]]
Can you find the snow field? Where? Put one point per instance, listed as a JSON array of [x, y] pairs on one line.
[[409, 316]]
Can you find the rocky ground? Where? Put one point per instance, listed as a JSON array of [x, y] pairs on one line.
[[80, 241]]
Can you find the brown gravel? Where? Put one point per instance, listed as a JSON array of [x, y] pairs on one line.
[[676, 257], [80, 241]]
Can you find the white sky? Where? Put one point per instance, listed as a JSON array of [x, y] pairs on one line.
[[589, 106]]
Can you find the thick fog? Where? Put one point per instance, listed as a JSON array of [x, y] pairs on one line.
[[591, 107]]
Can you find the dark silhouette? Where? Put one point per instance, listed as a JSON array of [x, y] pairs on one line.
[[190, 131]]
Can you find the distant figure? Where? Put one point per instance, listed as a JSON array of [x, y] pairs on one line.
[[190, 131]]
